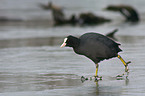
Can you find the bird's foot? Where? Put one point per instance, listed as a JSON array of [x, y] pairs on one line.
[[83, 79], [126, 67], [95, 78], [126, 73], [122, 76]]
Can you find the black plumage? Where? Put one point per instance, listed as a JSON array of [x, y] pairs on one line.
[[95, 46]]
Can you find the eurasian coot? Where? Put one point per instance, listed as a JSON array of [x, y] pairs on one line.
[[127, 11], [96, 47]]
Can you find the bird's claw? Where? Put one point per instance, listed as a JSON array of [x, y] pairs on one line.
[[128, 62], [95, 78], [126, 67], [121, 77], [83, 79], [126, 73]]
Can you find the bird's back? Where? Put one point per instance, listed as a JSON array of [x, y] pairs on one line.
[[98, 47], [96, 37]]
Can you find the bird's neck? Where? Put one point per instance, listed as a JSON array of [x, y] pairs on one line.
[[76, 42]]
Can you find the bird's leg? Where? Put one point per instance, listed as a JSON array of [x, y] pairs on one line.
[[96, 77], [96, 73], [126, 66]]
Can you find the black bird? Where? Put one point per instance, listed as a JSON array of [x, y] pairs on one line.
[[127, 11], [96, 47], [91, 19], [57, 12]]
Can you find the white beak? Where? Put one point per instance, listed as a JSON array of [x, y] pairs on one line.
[[63, 45], [65, 39]]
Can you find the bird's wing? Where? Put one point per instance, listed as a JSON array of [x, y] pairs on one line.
[[98, 45]]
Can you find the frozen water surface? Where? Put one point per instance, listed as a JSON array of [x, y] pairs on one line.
[[33, 64]]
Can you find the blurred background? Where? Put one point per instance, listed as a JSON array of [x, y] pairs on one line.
[[33, 64]]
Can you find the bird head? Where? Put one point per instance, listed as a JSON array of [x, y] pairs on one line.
[[70, 41]]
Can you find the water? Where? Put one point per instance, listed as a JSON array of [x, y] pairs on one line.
[[50, 70], [33, 64]]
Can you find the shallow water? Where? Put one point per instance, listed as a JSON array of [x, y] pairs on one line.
[[33, 64]]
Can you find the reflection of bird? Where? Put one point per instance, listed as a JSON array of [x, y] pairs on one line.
[[96, 47], [127, 11]]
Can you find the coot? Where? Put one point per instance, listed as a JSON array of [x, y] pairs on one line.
[[96, 47], [57, 12], [127, 11]]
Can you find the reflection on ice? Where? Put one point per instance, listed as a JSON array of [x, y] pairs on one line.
[[14, 82]]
